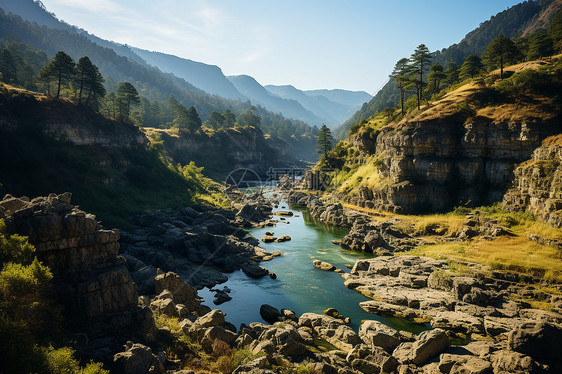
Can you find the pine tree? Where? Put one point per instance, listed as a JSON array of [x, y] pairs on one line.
[[420, 61], [89, 79], [325, 140], [471, 66], [61, 68], [127, 96], [452, 73], [401, 75], [436, 75], [499, 52], [540, 45]]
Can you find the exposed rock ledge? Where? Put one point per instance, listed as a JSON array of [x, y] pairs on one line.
[[538, 184], [91, 280]]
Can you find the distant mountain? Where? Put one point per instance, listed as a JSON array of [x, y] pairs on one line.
[[351, 98], [260, 96], [511, 22], [332, 112], [209, 78], [34, 11]]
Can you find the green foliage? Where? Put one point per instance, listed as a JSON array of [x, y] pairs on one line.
[[60, 69], [435, 77], [540, 45], [419, 61], [500, 52], [89, 81], [401, 74], [526, 81], [126, 96], [471, 67], [15, 248], [18, 352], [325, 141], [62, 361], [249, 118], [452, 73]]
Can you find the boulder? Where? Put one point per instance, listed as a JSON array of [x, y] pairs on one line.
[[323, 265], [253, 270], [214, 318], [473, 365], [428, 345], [137, 358], [182, 292], [268, 239], [270, 314], [166, 307], [540, 340], [377, 334], [506, 361]]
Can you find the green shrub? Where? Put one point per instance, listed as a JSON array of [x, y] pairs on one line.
[[15, 248], [526, 80], [23, 295], [62, 361]]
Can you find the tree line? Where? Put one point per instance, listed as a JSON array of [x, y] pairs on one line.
[[418, 76]]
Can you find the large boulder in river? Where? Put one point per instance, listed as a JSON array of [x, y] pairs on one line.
[[270, 314], [322, 265]]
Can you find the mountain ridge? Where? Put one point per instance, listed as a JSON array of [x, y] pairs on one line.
[[509, 22]]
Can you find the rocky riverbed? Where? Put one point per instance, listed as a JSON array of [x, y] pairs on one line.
[[475, 324]]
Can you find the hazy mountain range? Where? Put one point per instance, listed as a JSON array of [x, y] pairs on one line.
[[331, 107]]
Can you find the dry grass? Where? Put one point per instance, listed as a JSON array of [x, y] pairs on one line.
[[366, 175], [517, 254], [513, 253]]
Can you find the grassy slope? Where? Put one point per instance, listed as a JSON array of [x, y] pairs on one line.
[[489, 98], [359, 168], [517, 253]]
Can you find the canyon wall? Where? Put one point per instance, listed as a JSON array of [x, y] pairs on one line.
[[537, 187]]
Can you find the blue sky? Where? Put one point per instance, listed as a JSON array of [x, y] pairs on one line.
[[349, 44]]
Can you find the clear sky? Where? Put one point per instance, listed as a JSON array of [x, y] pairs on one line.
[[349, 44]]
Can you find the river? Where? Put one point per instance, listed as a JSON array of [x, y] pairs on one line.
[[299, 286]]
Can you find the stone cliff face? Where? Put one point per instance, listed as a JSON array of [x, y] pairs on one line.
[[446, 154], [537, 187], [91, 280], [433, 165], [63, 120], [223, 151]]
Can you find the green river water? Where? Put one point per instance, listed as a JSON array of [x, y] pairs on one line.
[[299, 286]]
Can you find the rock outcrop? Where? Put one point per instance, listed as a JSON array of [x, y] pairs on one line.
[[537, 187], [435, 164], [223, 151], [200, 245], [92, 282]]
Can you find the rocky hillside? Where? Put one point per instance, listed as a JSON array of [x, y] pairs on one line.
[[54, 145], [521, 19], [91, 281], [537, 187], [457, 150], [222, 151]]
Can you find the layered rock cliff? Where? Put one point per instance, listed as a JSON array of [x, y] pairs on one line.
[[222, 151], [90, 279], [459, 150], [537, 187]]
